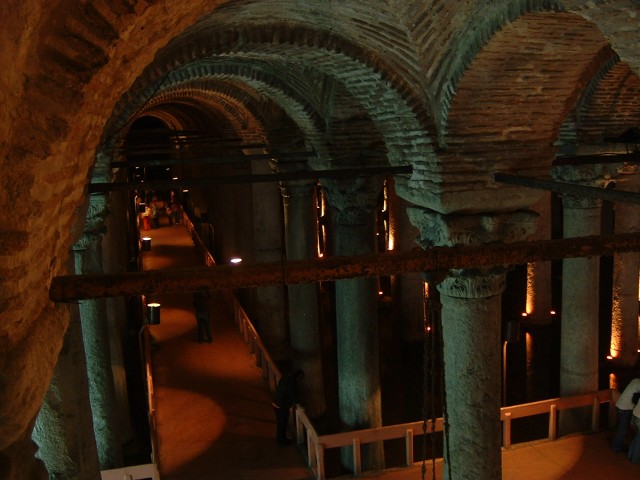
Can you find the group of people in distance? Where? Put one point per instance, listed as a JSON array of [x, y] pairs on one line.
[[628, 409]]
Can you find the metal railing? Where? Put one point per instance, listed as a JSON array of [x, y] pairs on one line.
[[318, 444]]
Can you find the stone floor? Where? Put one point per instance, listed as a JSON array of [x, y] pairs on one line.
[[215, 421]]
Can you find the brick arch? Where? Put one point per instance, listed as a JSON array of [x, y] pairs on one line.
[[255, 116], [232, 79], [613, 106], [401, 122], [511, 102], [469, 26], [567, 139], [620, 23]]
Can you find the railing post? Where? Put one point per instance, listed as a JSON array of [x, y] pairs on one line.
[[506, 430], [613, 413], [553, 430], [357, 461], [311, 451], [320, 461], [408, 442], [595, 414]]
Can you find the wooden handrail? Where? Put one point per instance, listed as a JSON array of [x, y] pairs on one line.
[[354, 439]]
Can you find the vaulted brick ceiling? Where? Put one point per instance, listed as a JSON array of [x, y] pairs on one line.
[[431, 83]]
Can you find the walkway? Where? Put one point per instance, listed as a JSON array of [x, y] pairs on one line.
[[213, 409], [215, 421]]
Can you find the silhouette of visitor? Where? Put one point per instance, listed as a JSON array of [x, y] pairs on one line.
[[285, 396], [201, 303]]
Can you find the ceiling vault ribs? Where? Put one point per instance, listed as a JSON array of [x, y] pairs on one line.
[[72, 288]]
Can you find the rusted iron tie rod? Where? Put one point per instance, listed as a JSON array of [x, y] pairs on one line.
[[221, 277], [569, 188]]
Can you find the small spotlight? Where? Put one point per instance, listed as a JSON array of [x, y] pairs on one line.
[[609, 357], [175, 178], [524, 314], [146, 244], [153, 313], [235, 260]]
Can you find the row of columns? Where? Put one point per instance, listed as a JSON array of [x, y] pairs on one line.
[[471, 310], [471, 316]]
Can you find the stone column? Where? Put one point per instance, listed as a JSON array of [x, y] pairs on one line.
[[115, 259], [95, 333], [538, 303], [471, 329], [408, 287], [301, 241], [580, 297], [267, 307], [353, 210], [626, 265], [64, 428]]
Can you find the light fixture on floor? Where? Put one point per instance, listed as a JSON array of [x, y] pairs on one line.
[[153, 313], [146, 244]]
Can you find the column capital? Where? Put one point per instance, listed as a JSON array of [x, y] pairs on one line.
[[297, 188], [474, 283], [437, 229], [450, 230], [353, 201], [593, 175], [94, 226]]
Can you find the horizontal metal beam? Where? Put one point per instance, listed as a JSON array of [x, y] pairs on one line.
[[239, 157], [222, 277], [235, 179], [604, 158], [569, 188]]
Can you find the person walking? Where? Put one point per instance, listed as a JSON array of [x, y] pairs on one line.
[[201, 303], [625, 410], [285, 397]]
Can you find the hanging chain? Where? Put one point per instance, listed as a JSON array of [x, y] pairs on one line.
[[430, 378], [445, 414], [425, 379]]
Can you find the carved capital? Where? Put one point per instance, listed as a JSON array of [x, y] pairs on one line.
[[94, 226], [473, 283], [595, 175], [353, 202], [298, 189], [450, 230]]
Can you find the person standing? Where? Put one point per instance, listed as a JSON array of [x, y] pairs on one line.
[[285, 397], [625, 410], [633, 453], [201, 303]]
